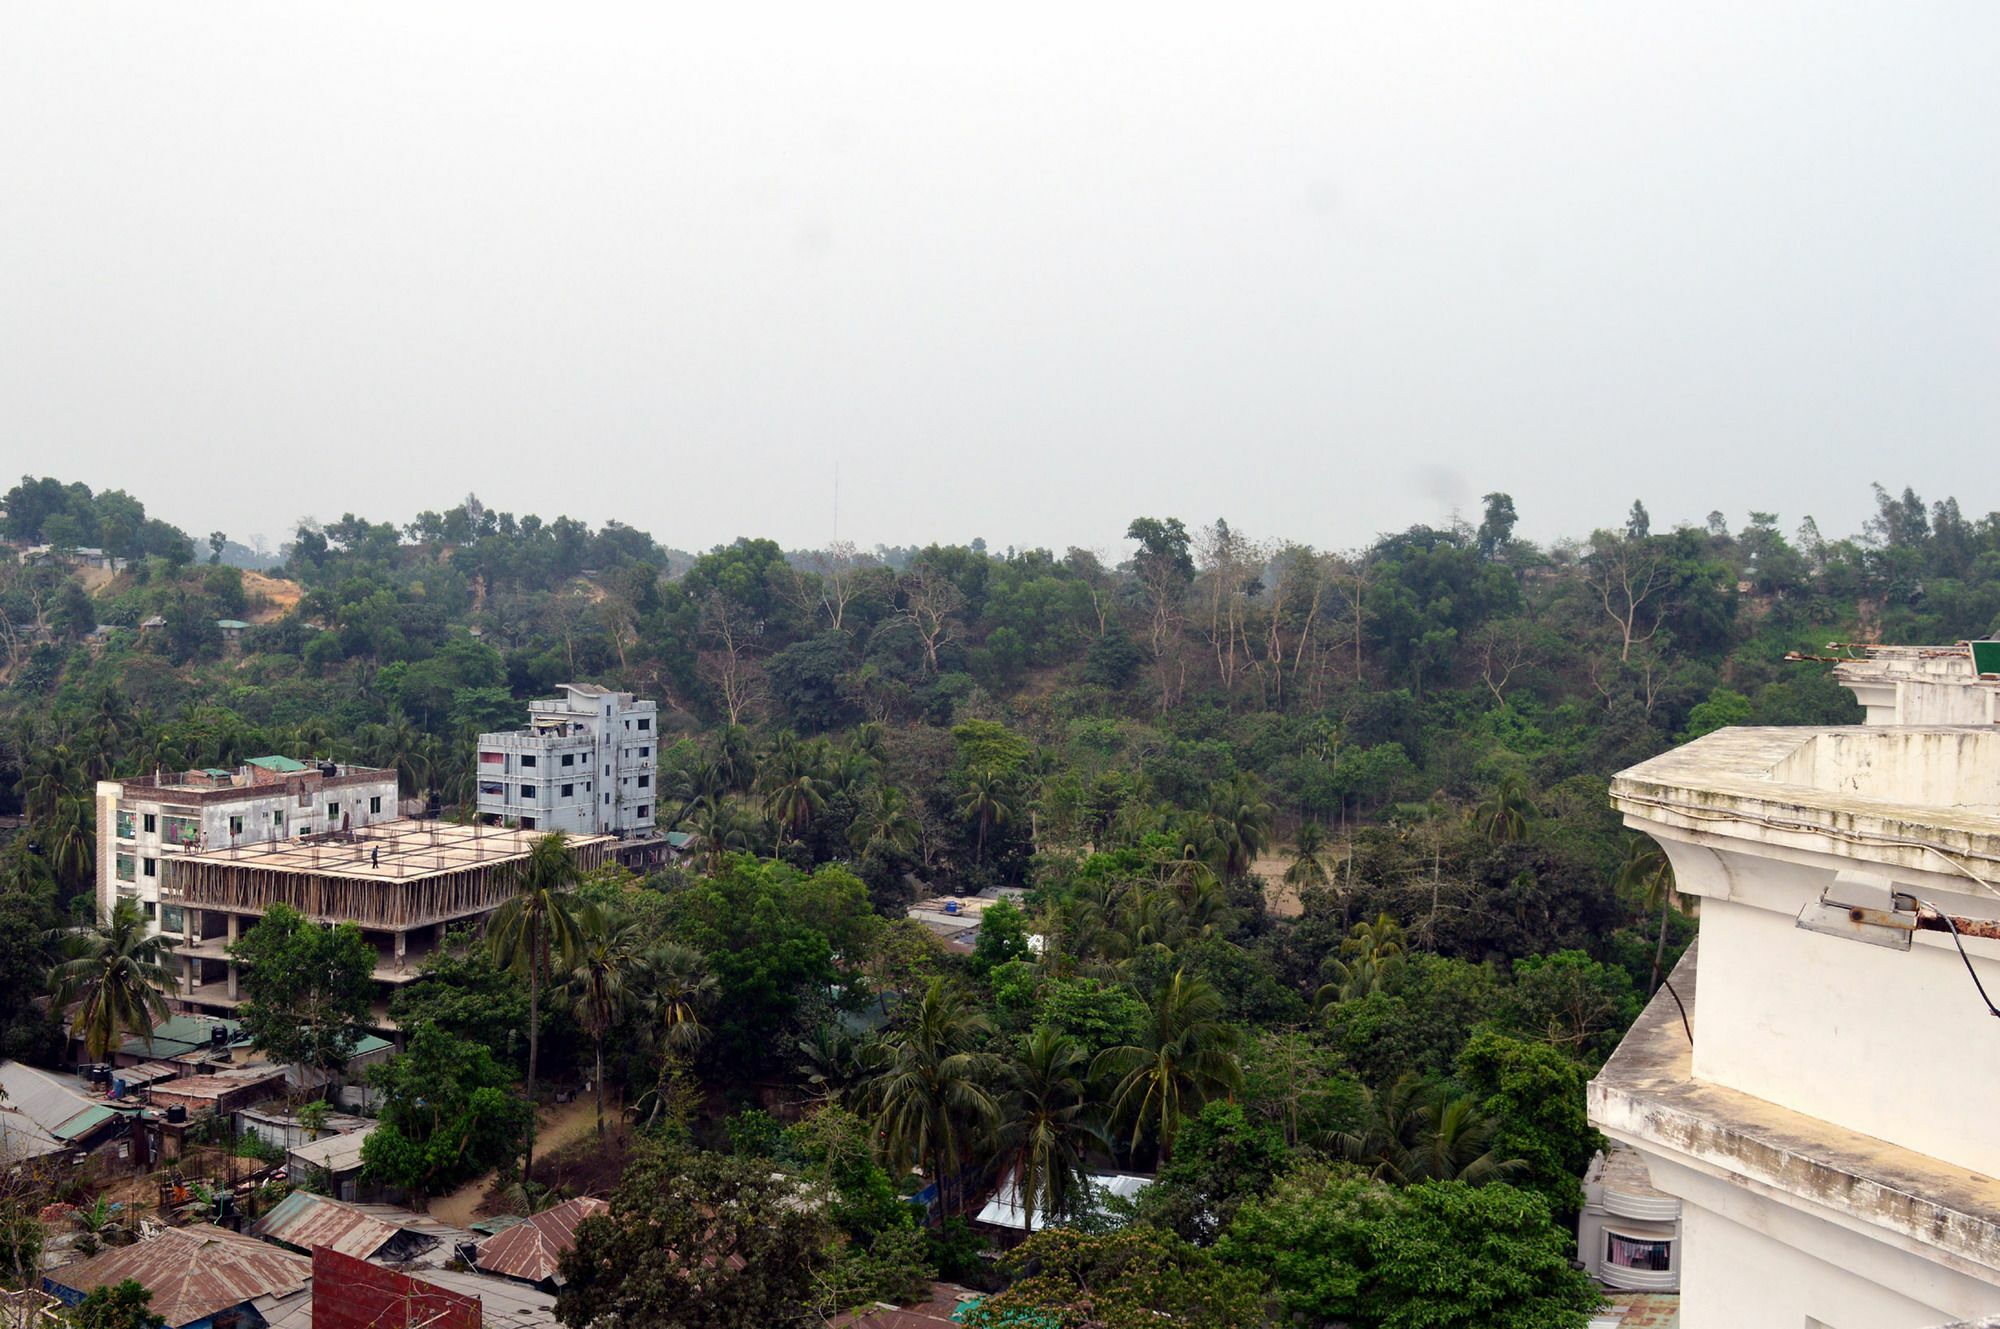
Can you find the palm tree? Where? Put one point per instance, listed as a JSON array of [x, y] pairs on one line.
[[1507, 813], [1049, 1125], [1309, 854], [1414, 1133], [678, 989], [51, 775], [118, 978], [600, 980], [1647, 872], [1368, 955], [793, 789], [716, 830], [884, 826], [929, 1097], [1187, 1055], [1238, 819], [988, 802], [533, 929], [69, 840]]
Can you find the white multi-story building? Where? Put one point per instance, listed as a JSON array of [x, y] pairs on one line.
[[144, 820], [1817, 1086], [587, 764]]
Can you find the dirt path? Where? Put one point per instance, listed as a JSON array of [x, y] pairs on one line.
[[554, 1128]]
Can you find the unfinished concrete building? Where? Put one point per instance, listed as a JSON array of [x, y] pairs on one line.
[[404, 883], [149, 820]]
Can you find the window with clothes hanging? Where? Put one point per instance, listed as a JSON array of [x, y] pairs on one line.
[[1638, 1252], [127, 823]]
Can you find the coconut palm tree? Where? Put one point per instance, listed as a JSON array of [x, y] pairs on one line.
[[1239, 820], [1185, 1056], [69, 841], [600, 983], [118, 978], [1368, 955], [535, 929], [716, 830], [1049, 1125], [884, 827], [1647, 872], [1309, 857], [929, 1097], [1507, 813], [1415, 1133], [989, 802], [794, 792]]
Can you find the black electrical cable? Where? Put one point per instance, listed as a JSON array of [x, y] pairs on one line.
[[1952, 928]]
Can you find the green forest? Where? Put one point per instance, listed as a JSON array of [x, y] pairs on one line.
[[1327, 921]]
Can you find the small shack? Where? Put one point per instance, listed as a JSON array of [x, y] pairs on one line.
[[338, 1156]]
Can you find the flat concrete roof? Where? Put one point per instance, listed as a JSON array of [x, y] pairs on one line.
[[1648, 1094], [402, 850]]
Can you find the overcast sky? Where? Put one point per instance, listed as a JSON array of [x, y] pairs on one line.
[[1019, 272]]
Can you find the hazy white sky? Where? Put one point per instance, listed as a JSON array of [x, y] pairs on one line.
[[1023, 272]]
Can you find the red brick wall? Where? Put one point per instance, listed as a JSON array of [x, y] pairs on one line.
[[353, 1294]]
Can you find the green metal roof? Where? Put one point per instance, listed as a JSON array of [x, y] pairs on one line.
[[285, 764], [84, 1122], [679, 839], [181, 1033], [229, 623], [368, 1043], [216, 770]]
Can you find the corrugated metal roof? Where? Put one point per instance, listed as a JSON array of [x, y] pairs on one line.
[[84, 1122], [530, 1251], [286, 764], [335, 1153], [39, 1108], [306, 1220], [193, 1272]]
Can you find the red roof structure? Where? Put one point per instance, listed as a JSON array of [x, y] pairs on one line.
[[531, 1250], [194, 1272]]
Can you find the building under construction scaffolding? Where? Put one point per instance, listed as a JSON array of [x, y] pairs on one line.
[[402, 882]]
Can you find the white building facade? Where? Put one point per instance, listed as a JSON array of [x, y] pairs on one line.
[[1926, 685], [1817, 1086], [587, 763], [141, 822]]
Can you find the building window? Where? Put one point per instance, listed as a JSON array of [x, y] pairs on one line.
[[375, 803], [527, 823], [332, 811], [645, 752], [645, 723], [152, 823], [645, 781], [644, 809], [152, 910], [125, 824], [170, 919], [128, 867], [527, 793], [607, 800], [628, 724], [152, 866], [1635, 1253], [569, 791], [235, 827], [527, 760], [182, 830], [569, 759], [278, 821]]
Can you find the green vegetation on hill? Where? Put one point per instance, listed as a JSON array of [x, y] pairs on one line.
[[1326, 919]]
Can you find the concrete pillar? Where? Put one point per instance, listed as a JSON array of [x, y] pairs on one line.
[[235, 922], [232, 978]]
